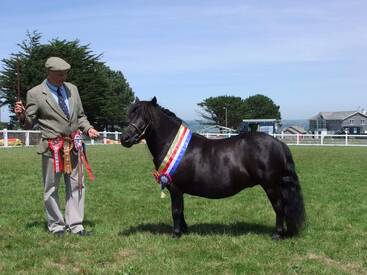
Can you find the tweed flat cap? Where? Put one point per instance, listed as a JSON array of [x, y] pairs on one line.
[[57, 64]]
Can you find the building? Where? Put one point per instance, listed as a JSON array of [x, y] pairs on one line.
[[352, 122], [268, 126], [294, 130]]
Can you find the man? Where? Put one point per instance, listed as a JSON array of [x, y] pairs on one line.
[[56, 107]]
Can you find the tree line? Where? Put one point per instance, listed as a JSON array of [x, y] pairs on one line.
[[105, 93]]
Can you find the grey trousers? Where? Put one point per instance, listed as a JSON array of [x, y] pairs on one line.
[[74, 197]]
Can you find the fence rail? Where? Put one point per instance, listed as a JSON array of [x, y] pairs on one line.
[[308, 139], [11, 138], [323, 140]]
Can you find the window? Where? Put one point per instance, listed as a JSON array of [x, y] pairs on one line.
[[363, 121], [351, 121]]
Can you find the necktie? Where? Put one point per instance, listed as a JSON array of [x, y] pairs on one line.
[[62, 104]]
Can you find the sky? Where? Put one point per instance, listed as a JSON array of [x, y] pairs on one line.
[[307, 56]]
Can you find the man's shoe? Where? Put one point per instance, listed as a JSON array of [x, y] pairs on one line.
[[59, 233], [84, 233]]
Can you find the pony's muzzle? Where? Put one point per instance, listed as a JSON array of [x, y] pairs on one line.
[[126, 140]]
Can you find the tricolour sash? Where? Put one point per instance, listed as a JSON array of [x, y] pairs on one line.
[[173, 157]]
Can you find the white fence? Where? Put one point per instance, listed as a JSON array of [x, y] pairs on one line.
[[10, 138], [323, 140], [308, 139]]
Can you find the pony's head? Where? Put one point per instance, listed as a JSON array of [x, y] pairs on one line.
[[139, 120]]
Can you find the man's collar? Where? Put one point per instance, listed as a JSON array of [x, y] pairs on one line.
[[52, 86]]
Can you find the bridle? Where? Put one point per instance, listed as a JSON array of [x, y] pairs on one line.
[[141, 133]]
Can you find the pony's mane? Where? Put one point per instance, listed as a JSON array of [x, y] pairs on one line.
[[167, 112], [148, 111]]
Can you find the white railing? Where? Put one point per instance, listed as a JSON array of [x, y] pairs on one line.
[[11, 138], [217, 135], [323, 140], [308, 139]]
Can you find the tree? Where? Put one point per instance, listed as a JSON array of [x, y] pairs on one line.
[[215, 110], [105, 93], [118, 98], [253, 107], [260, 107]]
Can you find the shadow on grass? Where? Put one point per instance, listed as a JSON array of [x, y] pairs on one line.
[[43, 224], [235, 229]]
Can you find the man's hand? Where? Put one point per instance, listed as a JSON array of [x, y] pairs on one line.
[[19, 111], [93, 133]]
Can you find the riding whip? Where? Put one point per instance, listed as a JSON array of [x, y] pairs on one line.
[[18, 79]]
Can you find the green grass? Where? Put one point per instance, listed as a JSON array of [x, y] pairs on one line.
[[132, 225]]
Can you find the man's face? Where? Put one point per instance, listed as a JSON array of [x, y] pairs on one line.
[[57, 77]]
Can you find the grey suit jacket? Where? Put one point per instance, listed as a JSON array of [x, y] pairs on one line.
[[43, 109]]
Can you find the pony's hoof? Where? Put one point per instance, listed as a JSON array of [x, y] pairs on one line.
[[176, 234], [277, 237]]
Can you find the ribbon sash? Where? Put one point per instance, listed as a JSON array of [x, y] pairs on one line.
[[82, 158], [68, 146], [55, 145], [174, 155], [63, 163]]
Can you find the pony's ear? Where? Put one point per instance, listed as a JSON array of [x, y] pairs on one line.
[[137, 100], [154, 101]]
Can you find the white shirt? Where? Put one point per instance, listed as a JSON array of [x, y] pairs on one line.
[[53, 90]]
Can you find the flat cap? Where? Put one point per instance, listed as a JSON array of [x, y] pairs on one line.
[[57, 64]]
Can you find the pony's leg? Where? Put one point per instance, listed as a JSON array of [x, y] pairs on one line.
[[275, 197], [177, 204]]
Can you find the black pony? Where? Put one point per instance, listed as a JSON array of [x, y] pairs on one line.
[[220, 168]]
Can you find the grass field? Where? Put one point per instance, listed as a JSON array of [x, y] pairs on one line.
[[132, 225]]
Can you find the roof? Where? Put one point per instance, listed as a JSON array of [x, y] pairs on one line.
[[216, 129], [359, 113], [295, 129], [334, 115], [259, 120]]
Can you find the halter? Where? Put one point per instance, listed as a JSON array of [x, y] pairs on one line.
[[140, 132]]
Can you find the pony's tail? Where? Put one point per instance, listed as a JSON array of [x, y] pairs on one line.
[[294, 208]]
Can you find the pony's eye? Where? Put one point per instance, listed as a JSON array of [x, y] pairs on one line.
[[132, 112]]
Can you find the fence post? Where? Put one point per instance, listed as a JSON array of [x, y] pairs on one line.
[[297, 139], [26, 138], [322, 139], [104, 137], [116, 135], [346, 139], [5, 137]]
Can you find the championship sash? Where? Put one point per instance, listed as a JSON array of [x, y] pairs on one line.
[[173, 157]]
